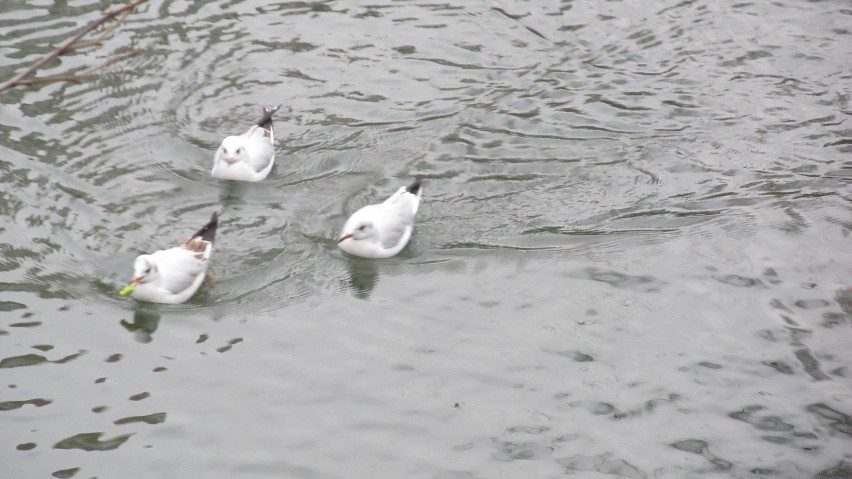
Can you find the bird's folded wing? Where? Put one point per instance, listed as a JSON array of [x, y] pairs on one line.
[[397, 221], [403, 199], [179, 268], [260, 152], [391, 236]]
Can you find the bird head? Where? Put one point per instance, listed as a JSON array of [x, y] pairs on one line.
[[232, 150], [357, 228], [144, 270]]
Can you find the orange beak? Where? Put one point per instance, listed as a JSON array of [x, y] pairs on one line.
[[230, 160], [135, 281], [344, 237]]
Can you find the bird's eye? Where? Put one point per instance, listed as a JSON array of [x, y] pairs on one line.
[[239, 150], [362, 227], [147, 270]]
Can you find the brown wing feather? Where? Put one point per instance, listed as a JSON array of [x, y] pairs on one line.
[[196, 245]]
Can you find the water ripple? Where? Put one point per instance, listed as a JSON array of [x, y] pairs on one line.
[[632, 218]]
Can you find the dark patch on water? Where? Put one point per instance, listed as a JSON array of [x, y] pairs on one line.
[[155, 418], [767, 423], [91, 441], [839, 421], [10, 405]]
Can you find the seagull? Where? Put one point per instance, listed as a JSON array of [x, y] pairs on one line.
[[382, 230], [250, 156], [173, 275]]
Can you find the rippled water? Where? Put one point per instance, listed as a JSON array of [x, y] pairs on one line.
[[632, 259]]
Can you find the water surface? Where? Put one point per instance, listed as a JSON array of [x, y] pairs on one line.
[[632, 258]]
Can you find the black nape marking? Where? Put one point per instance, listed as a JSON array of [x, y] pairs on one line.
[[415, 187]]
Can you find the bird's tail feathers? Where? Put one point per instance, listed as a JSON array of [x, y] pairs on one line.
[[265, 121], [208, 231], [415, 188]]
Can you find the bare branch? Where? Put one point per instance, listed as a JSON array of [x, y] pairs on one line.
[[119, 14], [100, 38], [115, 59], [78, 78], [51, 79]]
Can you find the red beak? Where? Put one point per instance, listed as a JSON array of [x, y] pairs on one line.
[[136, 280], [344, 237], [230, 160]]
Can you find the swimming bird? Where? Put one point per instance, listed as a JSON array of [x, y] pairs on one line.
[[174, 275], [250, 156], [382, 230]]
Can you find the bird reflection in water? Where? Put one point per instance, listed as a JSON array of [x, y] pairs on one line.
[[363, 275], [145, 321], [231, 193]]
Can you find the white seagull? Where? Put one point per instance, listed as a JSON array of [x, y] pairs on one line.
[[173, 275], [382, 230], [250, 156]]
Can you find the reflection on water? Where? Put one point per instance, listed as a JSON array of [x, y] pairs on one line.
[[363, 275], [145, 321], [231, 194], [631, 259]]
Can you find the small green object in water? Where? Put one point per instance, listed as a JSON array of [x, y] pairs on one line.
[[128, 290]]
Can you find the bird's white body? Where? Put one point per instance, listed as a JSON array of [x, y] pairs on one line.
[[180, 275], [247, 157], [173, 275], [382, 230]]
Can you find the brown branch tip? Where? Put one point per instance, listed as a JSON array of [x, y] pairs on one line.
[[119, 15]]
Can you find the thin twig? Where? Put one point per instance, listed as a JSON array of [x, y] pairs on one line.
[[70, 45], [78, 78], [51, 79], [115, 59], [100, 38]]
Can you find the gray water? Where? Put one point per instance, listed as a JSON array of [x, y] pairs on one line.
[[632, 258]]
